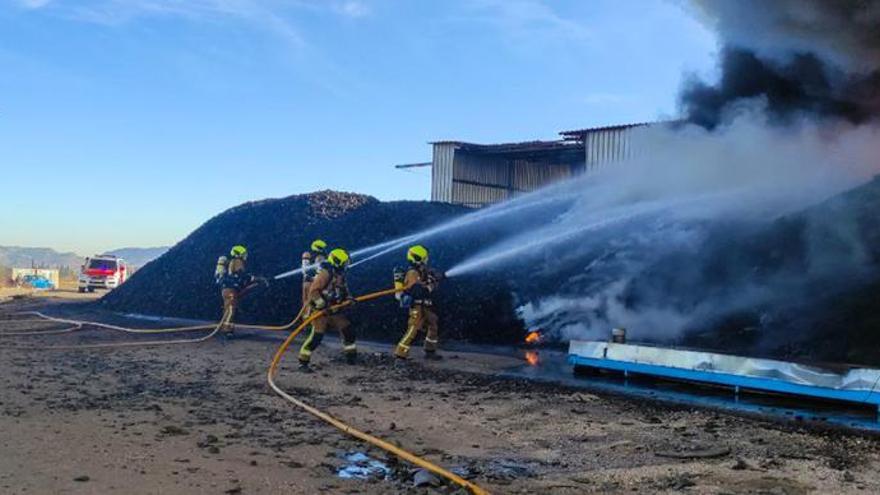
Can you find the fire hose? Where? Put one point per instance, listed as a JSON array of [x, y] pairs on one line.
[[118, 328], [350, 430], [286, 326], [78, 324], [273, 369], [42, 332], [216, 328]]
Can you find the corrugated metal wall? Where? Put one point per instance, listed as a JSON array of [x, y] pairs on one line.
[[480, 179], [441, 172], [606, 146], [530, 175], [474, 195], [475, 178], [483, 179]]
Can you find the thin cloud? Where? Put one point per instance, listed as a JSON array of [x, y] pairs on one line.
[[260, 14], [526, 17], [352, 8], [34, 4], [278, 18]]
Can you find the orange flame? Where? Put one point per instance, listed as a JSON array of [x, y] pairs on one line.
[[532, 358], [533, 337]]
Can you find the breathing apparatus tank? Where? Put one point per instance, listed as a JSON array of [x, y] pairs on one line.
[[399, 283], [220, 269], [399, 278]]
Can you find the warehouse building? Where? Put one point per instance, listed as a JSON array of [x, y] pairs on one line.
[[480, 174]]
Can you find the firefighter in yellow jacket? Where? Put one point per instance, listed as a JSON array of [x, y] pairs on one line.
[[419, 284], [232, 276], [328, 289], [311, 264]]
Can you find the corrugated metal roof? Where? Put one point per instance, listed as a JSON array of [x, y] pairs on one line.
[[544, 145], [580, 132], [524, 146]]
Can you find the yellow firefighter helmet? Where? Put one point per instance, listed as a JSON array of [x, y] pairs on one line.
[[417, 254], [319, 246], [238, 251], [338, 258]]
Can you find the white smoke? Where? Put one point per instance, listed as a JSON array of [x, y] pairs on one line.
[[590, 259]]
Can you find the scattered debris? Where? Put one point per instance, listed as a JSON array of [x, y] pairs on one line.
[[362, 466], [583, 397], [423, 477], [695, 453], [677, 482], [508, 469], [173, 430]]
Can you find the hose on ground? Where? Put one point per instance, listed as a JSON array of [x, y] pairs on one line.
[[109, 345], [69, 329], [273, 369], [286, 326], [191, 328], [350, 430], [194, 328]]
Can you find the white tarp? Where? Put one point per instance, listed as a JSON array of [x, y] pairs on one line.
[[850, 379]]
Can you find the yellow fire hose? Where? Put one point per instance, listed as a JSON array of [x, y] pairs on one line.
[[192, 328], [287, 326], [42, 332], [366, 437], [273, 369], [225, 320], [77, 324]]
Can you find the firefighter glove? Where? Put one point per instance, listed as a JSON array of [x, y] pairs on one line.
[[406, 301]]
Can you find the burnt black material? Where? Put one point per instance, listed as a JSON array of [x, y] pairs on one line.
[[277, 231]]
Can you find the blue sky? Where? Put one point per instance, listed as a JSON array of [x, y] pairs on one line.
[[131, 122]]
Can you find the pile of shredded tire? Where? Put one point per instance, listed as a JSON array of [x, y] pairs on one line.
[[277, 231], [812, 277], [828, 307]]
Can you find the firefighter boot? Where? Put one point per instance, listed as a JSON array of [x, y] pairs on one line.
[[349, 347], [351, 356], [305, 352]]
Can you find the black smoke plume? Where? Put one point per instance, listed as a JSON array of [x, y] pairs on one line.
[[814, 58]]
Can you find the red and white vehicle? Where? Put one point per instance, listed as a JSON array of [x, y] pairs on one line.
[[102, 272]]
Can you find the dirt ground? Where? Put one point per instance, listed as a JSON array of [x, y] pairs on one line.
[[200, 419]]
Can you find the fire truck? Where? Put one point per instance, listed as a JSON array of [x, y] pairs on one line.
[[102, 272]]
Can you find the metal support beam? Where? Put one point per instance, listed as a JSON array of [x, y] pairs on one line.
[[414, 165]]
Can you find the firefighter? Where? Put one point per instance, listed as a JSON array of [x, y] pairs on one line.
[[329, 288], [419, 284], [311, 263], [234, 282]]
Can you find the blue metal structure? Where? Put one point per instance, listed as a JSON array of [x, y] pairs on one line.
[[855, 385]]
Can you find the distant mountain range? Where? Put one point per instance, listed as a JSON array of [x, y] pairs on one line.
[[23, 257], [139, 256]]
